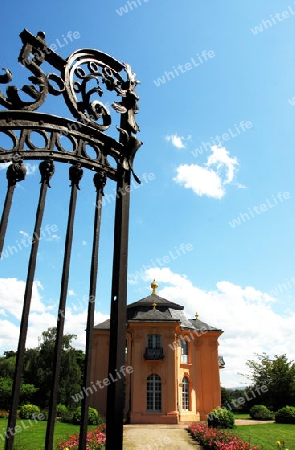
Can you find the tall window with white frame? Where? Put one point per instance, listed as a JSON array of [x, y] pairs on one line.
[[184, 352], [185, 394], [154, 393]]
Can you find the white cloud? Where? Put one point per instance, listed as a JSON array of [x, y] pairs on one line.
[[4, 165], [84, 243], [223, 162], [244, 313], [9, 334], [210, 179], [25, 235], [12, 296], [41, 316], [201, 180], [177, 141], [31, 168], [71, 292]]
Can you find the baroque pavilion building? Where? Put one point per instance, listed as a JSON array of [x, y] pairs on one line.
[[172, 364]]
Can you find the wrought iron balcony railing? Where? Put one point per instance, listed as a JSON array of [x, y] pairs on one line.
[[153, 353]]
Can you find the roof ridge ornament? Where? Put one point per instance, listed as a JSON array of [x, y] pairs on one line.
[[154, 286]]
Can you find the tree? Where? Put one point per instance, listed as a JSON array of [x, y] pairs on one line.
[[27, 393], [39, 368], [278, 376], [7, 365]]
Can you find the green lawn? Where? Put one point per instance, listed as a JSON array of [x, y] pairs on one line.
[[266, 436], [32, 437], [242, 416]]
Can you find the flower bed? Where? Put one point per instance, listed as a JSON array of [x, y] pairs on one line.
[[216, 439], [95, 440]]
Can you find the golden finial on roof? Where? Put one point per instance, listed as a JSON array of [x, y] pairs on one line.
[[196, 315], [154, 286]]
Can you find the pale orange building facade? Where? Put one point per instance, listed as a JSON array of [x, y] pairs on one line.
[[172, 364]]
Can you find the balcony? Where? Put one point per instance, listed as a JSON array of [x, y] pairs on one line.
[[152, 354]]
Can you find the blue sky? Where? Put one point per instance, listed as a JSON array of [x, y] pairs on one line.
[[213, 219]]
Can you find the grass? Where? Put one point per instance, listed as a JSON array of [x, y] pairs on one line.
[[266, 435], [242, 416], [32, 437]]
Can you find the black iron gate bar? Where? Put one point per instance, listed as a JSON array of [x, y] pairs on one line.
[[26, 306], [15, 172], [93, 119], [99, 182]]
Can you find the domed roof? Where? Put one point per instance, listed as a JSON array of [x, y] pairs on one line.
[[154, 308], [155, 298]]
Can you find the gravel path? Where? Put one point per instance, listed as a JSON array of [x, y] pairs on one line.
[[252, 422], [157, 437], [166, 437]]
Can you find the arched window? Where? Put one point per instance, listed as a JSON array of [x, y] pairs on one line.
[[184, 352], [154, 393], [185, 394]]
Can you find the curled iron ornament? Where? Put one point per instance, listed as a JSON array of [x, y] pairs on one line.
[[75, 174], [47, 170], [99, 180], [16, 172], [75, 74]]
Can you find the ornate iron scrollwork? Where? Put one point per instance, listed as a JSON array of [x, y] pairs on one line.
[[74, 79]]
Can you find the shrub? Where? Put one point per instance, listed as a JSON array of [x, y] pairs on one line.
[[93, 417], [221, 418], [213, 439], [29, 412], [45, 414], [67, 417], [61, 410], [260, 412], [285, 415], [95, 439]]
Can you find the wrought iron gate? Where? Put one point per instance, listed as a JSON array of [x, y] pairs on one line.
[[71, 79]]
